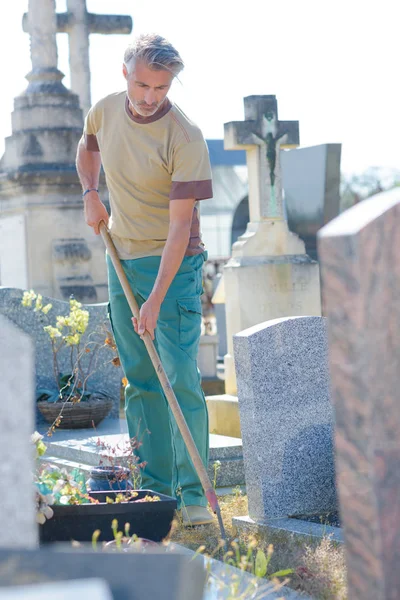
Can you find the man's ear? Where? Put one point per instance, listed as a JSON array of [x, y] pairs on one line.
[[125, 71]]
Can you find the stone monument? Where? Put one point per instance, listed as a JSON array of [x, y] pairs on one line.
[[45, 243], [78, 23], [311, 181], [360, 268], [286, 418], [269, 274]]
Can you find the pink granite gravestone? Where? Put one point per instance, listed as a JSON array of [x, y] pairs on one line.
[[360, 262]]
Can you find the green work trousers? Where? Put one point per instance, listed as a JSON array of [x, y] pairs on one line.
[[169, 469]]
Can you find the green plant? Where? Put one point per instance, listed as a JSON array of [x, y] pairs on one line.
[[112, 455], [122, 539], [129, 497], [65, 336], [56, 486], [249, 559], [216, 467]]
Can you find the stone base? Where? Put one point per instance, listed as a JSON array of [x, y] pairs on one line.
[[291, 539], [223, 414], [263, 288], [287, 531]]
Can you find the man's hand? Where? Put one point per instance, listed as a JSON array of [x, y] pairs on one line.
[[95, 211], [148, 317]]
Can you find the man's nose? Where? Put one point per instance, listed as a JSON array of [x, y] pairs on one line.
[[150, 97]]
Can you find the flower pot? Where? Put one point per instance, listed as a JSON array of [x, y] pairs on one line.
[[104, 479], [150, 520], [79, 415]]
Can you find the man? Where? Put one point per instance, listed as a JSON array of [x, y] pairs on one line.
[[157, 167]]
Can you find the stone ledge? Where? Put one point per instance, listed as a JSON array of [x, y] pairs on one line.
[[287, 530], [73, 447]]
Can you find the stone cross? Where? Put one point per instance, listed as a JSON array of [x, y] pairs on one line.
[[360, 270], [42, 26], [262, 135], [79, 24]]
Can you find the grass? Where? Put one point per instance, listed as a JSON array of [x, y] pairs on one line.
[[319, 568]]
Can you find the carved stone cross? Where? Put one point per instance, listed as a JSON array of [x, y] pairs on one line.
[[79, 24], [262, 135], [44, 75]]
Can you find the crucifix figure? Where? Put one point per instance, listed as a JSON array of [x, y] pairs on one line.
[[79, 24], [262, 135]]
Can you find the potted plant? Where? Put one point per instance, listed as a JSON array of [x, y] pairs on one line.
[[67, 510], [71, 403]]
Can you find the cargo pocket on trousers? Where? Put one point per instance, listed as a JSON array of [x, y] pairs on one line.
[[111, 323], [189, 325]]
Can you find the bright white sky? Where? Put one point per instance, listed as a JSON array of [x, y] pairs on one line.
[[333, 65]]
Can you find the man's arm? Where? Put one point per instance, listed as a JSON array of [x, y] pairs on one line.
[[180, 221], [88, 165]]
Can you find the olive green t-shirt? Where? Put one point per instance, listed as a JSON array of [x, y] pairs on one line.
[[147, 163]]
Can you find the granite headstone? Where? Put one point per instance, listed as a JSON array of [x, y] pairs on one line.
[[360, 261], [17, 506], [311, 180], [286, 417]]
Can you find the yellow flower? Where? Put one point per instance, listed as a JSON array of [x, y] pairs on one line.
[[61, 322], [52, 331], [39, 304], [72, 340], [46, 308], [79, 320], [74, 304], [28, 298]]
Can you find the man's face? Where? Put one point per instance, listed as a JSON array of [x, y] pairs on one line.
[[146, 88]]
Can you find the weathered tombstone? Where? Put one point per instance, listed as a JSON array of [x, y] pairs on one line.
[[360, 266], [311, 180], [269, 275], [78, 23], [286, 418], [17, 503]]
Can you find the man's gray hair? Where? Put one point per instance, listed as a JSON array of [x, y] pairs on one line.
[[156, 52]]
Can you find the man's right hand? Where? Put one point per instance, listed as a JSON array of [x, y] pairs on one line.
[[95, 211]]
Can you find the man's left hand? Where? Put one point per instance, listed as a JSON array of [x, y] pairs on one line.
[[148, 317]]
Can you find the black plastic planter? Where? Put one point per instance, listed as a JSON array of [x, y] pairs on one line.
[[150, 520]]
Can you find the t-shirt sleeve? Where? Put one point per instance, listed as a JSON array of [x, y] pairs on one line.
[[191, 173], [90, 130]]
